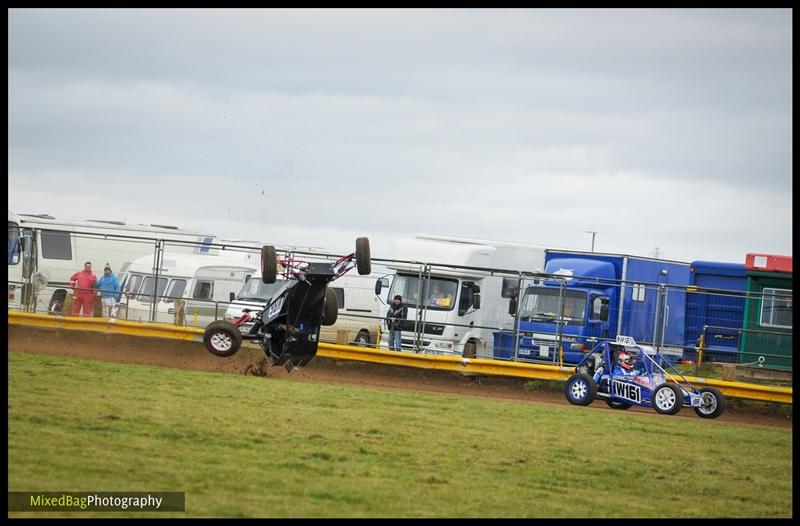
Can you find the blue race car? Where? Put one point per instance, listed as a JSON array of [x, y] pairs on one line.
[[626, 374]]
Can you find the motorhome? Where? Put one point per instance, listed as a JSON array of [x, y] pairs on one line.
[[358, 321], [192, 289], [43, 252], [471, 303]]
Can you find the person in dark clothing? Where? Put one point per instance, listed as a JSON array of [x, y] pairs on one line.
[[397, 312]]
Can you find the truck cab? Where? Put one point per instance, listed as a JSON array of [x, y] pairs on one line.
[[453, 291], [449, 308], [581, 290]]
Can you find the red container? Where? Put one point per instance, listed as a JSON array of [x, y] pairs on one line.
[[768, 262]]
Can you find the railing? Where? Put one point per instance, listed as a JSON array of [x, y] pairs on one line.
[[553, 327]]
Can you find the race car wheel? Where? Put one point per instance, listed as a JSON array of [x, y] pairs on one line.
[[363, 261], [330, 309], [580, 389], [222, 338], [269, 264], [668, 399], [618, 405], [713, 403]]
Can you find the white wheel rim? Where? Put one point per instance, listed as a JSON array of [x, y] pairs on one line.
[[709, 404], [665, 399], [221, 341], [578, 390]]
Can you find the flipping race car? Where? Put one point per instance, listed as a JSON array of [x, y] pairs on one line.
[[627, 374], [287, 328]]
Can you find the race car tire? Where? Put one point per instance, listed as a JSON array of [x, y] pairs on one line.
[[668, 399], [580, 389], [269, 264], [714, 403], [222, 338], [363, 261], [330, 308], [614, 404]]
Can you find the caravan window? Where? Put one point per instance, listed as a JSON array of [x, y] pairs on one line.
[[776, 308], [56, 245], [203, 290], [13, 243], [132, 286], [146, 294], [175, 289]]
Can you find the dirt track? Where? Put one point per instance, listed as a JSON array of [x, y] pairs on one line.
[[249, 360]]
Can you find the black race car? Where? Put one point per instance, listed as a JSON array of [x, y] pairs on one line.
[[287, 328]]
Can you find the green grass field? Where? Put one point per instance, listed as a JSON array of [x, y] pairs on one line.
[[251, 446]]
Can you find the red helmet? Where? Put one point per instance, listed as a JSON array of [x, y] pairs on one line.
[[625, 360]]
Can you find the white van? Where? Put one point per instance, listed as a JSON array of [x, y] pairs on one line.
[[359, 309], [474, 304], [205, 285]]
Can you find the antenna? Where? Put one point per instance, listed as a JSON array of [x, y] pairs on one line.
[[594, 233]]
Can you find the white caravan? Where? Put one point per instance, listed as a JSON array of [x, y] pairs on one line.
[[47, 251], [359, 309], [205, 284], [470, 306]]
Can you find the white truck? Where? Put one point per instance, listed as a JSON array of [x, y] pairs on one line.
[[205, 284], [470, 305], [359, 309], [43, 252]]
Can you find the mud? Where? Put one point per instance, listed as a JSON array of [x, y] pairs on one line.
[[250, 360]]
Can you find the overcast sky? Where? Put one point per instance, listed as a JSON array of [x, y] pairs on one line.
[[656, 128]]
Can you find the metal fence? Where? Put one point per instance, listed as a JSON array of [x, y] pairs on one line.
[[504, 314]]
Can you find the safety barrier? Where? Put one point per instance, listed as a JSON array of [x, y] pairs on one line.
[[465, 366]]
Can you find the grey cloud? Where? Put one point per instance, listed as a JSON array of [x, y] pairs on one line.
[[520, 125]]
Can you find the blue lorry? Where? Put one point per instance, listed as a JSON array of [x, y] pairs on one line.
[[591, 297], [715, 310]]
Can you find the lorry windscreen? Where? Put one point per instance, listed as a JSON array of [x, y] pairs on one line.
[[441, 293], [257, 290], [542, 305]]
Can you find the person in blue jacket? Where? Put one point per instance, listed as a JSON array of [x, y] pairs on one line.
[[109, 292]]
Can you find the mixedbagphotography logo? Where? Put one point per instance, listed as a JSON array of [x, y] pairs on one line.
[[97, 501]]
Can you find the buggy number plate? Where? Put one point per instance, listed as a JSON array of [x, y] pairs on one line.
[[625, 340], [544, 350], [627, 391]]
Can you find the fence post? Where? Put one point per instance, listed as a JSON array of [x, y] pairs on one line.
[[156, 265], [516, 333], [560, 320]]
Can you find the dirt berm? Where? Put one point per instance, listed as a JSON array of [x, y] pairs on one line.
[[250, 360]]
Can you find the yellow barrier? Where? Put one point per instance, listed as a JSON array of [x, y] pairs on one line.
[[105, 325], [466, 366]]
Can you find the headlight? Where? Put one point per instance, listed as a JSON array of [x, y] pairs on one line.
[[227, 316], [443, 345]]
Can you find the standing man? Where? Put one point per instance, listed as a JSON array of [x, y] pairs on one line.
[[83, 284], [109, 288], [397, 312]]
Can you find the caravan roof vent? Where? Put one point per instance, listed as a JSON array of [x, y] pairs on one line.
[[40, 216], [106, 221], [165, 226]]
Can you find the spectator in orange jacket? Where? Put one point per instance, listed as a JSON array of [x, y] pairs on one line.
[[83, 284]]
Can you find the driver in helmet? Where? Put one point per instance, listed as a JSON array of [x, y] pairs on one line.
[[625, 363]]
